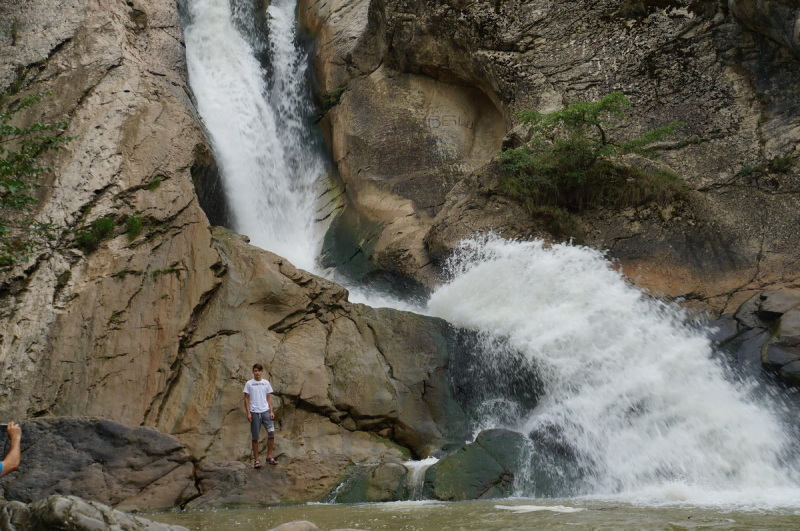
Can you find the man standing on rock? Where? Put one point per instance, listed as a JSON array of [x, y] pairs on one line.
[[11, 461], [258, 404]]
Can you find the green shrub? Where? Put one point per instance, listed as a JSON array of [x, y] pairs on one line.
[[134, 227], [89, 239], [21, 149], [572, 162], [166, 271], [781, 164], [155, 183]]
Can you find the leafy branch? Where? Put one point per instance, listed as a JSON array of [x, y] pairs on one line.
[[21, 167]]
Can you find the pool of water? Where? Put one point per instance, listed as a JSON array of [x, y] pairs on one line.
[[506, 515]]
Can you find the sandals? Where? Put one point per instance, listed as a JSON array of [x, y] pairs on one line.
[[272, 461], [257, 464]]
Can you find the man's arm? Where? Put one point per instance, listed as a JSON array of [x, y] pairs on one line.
[[11, 462], [247, 407], [269, 403]]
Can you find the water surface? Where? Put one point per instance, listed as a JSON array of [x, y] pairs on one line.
[[497, 515]]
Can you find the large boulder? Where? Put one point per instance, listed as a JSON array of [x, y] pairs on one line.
[[483, 469], [102, 461]]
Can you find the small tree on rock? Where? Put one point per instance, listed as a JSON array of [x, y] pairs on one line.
[[573, 162]]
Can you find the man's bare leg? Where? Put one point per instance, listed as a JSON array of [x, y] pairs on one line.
[[255, 450], [270, 446]]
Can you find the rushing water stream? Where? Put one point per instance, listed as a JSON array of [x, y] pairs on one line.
[[636, 394]]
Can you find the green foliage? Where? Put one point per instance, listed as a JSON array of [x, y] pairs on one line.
[[134, 227], [166, 271], [21, 149], [572, 163], [333, 98], [155, 183], [781, 164], [89, 239], [63, 278]]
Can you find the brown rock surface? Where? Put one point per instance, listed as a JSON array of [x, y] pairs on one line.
[[161, 330], [689, 61]]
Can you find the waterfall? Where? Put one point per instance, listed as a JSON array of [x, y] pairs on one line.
[[269, 157], [633, 391]]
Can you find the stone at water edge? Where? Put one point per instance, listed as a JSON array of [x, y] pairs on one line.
[[480, 470], [383, 483], [73, 514]]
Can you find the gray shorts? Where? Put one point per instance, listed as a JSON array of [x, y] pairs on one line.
[[258, 420]]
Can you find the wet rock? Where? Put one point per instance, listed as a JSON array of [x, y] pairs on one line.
[[723, 330], [71, 513], [479, 470], [774, 303], [770, 324], [383, 483], [305, 478], [791, 373]]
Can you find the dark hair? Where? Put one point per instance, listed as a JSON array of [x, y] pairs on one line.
[[258, 366]]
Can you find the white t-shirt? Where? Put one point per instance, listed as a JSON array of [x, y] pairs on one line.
[[258, 391]]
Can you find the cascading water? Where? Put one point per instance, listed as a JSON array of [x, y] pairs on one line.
[[268, 156], [632, 391], [635, 393]]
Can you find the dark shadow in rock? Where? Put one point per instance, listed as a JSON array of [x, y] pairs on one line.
[[210, 191]]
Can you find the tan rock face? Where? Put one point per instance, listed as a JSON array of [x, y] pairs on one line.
[[346, 377], [696, 64], [108, 332], [162, 330], [400, 138]]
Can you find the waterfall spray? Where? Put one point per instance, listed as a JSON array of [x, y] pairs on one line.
[[634, 392]]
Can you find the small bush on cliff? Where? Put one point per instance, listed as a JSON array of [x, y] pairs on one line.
[[573, 162], [21, 150], [89, 239]]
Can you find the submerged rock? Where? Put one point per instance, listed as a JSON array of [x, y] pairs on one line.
[[71, 513]]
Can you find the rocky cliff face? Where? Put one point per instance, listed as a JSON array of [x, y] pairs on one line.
[[160, 329], [697, 62]]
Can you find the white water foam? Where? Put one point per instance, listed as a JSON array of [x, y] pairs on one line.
[[265, 152], [416, 475], [632, 389], [521, 509]]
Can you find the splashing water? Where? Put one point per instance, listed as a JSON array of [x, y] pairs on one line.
[[626, 384], [416, 476], [267, 154]]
